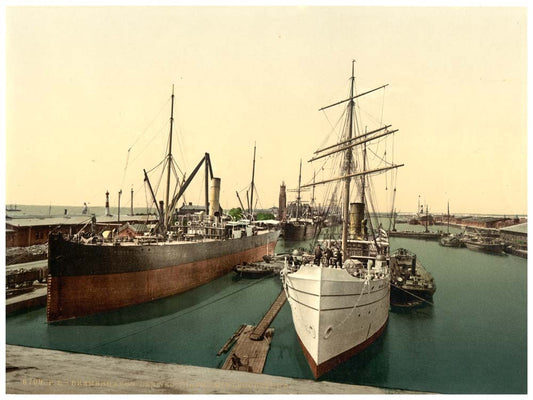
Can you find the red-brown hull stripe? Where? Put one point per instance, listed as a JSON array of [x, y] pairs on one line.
[[76, 296]]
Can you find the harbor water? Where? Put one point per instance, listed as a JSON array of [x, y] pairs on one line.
[[473, 340]]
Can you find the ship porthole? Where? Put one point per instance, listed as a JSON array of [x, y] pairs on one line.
[[328, 332]]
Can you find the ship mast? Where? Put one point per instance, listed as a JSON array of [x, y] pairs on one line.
[[345, 147], [169, 161], [448, 230], [363, 180], [299, 198], [313, 195], [252, 189], [347, 167]]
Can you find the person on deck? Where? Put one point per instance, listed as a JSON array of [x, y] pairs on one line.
[[336, 256], [318, 254], [329, 255]]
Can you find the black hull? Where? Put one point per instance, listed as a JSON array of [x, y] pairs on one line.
[[407, 296], [86, 279], [68, 258], [299, 232], [497, 249]]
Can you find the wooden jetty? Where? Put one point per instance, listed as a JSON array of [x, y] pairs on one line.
[[267, 319], [249, 355], [252, 342], [231, 340]]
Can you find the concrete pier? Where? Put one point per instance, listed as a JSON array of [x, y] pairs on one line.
[[35, 298], [38, 371]]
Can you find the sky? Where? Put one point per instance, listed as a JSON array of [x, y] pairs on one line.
[[87, 99]]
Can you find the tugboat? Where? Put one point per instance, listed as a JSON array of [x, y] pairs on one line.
[[269, 266], [411, 284]]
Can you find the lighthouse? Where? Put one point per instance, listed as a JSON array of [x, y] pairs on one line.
[[107, 213]]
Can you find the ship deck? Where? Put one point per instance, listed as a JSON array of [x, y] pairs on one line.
[[148, 241]]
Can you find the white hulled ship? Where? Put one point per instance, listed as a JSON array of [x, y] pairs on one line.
[[340, 303]]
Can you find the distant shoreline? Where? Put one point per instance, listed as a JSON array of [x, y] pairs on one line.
[[36, 209]]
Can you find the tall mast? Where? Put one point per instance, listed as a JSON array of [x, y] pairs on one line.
[[169, 161], [313, 195], [298, 198], [347, 166], [448, 230], [252, 189], [427, 217], [363, 177]]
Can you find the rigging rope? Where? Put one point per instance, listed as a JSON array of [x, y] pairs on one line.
[[412, 294], [382, 106], [151, 122], [366, 284]]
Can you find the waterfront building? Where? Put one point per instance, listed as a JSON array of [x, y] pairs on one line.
[[516, 235], [23, 232]]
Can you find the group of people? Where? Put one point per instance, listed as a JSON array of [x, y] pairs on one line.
[[331, 256]]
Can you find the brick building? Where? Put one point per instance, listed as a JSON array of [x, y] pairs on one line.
[[23, 232], [515, 235]]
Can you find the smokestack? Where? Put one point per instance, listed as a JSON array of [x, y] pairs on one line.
[[357, 214], [107, 213], [214, 197], [282, 209]]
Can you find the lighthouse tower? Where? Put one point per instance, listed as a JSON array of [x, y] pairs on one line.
[[107, 213], [282, 209]]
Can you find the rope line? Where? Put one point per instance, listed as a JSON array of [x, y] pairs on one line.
[[412, 294]]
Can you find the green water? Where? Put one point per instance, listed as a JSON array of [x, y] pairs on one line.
[[473, 340]]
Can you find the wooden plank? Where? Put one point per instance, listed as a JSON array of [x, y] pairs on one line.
[[249, 355], [231, 340], [269, 316]]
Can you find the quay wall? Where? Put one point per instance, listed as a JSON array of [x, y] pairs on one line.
[[39, 371]]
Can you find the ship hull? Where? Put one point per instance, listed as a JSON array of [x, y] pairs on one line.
[[407, 295], [336, 315], [321, 369], [451, 242], [88, 279], [486, 248], [300, 232]]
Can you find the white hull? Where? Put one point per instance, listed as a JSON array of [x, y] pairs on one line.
[[335, 314]]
